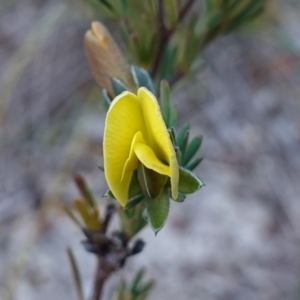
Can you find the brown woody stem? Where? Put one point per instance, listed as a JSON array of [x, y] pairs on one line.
[[103, 271], [165, 33]]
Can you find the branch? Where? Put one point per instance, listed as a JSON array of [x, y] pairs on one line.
[[103, 271], [184, 10], [163, 38], [166, 33]]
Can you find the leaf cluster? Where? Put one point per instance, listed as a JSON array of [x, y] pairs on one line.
[[179, 30], [137, 289]]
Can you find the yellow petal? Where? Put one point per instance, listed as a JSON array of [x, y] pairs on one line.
[[148, 158], [132, 160], [157, 136], [123, 121]]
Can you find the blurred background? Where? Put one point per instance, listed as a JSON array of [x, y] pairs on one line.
[[237, 238]]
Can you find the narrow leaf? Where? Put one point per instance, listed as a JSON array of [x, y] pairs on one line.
[[157, 210], [84, 189], [209, 5], [94, 220], [185, 143], [178, 154], [106, 3], [142, 78], [172, 135], [181, 135], [165, 101], [106, 99], [191, 149], [82, 209], [146, 288], [191, 166], [118, 86], [137, 279], [124, 5], [173, 117], [69, 213], [75, 273], [168, 62], [170, 12]]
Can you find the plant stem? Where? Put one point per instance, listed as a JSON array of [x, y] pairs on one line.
[[164, 36], [166, 33], [103, 271]]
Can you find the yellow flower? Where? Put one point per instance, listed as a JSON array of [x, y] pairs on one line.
[[135, 132]]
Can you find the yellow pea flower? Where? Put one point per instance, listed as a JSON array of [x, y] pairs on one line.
[[135, 132]]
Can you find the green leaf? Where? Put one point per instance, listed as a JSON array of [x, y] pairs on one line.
[[146, 288], [118, 86], [132, 224], [82, 209], [133, 201], [137, 279], [165, 103], [168, 62], [171, 131], [142, 78], [214, 20], [170, 12], [84, 190], [173, 117], [102, 7], [124, 5], [181, 135], [101, 167], [107, 4], [135, 194], [249, 11], [134, 188], [178, 154], [69, 213], [157, 210], [191, 149], [75, 273], [106, 99], [185, 143], [209, 5], [188, 182], [151, 183], [191, 166]]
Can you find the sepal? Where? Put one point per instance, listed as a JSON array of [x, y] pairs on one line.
[[142, 78], [188, 182], [157, 210], [118, 86], [151, 183]]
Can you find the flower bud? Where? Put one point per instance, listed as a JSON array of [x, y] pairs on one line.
[[105, 58]]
